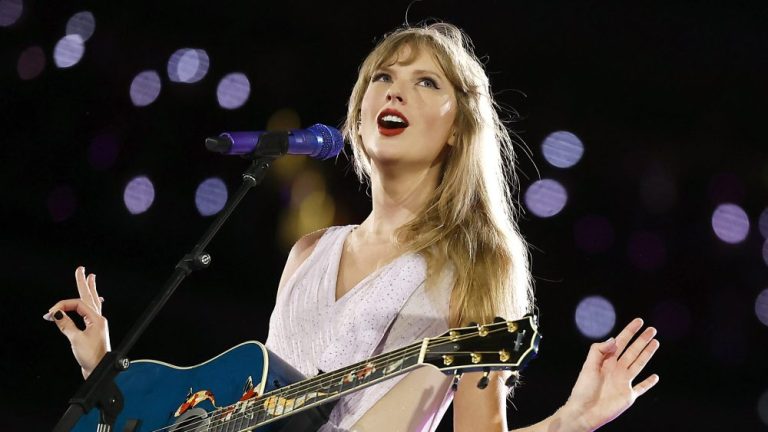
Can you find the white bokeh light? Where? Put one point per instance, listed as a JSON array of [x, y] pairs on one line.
[[145, 88], [211, 196], [562, 149], [188, 65], [545, 198], [82, 24], [595, 317], [761, 306], [730, 223], [139, 195], [68, 51], [10, 12], [233, 90]]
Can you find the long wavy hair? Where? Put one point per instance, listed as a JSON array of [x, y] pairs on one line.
[[470, 221]]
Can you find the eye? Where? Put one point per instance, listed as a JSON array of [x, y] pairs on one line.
[[381, 76], [428, 83]]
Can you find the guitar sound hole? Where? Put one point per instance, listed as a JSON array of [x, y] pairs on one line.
[[194, 420]]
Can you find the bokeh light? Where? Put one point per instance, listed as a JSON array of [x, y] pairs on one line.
[[562, 149], [62, 203], [672, 319], [761, 306], [10, 11], [211, 196], [82, 24], [103, 151], [646, 250], [762, 223], [593, 233], [233, 90], [310, 207], [31, 63], [545, 198], [68, 51], [139, 195], [188, 65], [145, 88], [762, 407], [765, 252], [658, 190], [730, 223], [595, 317]]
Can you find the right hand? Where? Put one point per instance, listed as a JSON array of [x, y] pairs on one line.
[[88, 345]]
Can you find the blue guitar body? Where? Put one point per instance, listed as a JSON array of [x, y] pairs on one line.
[[155, 392]]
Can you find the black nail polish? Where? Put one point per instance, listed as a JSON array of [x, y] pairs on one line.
[[58, 315]]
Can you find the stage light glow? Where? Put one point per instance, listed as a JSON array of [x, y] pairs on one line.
[[762, 407], [211, 196], [145, 88], [188, 65], [81, 23], [595, 317], [672, 319], [646, 251], [10, 12], [31, 63], [562, 149], [765, 252], [730, 223], [545, 198], [62, 203], [762, 223], [761, 306], [68, 51], [233, 90], [593, 234], [658, 190], [102, 153], [139, 195]]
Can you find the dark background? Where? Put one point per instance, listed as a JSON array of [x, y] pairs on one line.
[[677, 88]]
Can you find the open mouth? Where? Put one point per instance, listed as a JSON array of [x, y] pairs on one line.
[[391, 122]]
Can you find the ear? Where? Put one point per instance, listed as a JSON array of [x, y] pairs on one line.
[[452, 138]]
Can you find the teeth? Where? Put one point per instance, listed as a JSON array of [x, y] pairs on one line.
[[392, 118]]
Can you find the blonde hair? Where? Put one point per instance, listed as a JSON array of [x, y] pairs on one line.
[[470, 220]]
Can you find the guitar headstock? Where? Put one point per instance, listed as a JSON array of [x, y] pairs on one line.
[[501, 345]]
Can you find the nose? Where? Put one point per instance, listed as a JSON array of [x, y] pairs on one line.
[[394, 93]]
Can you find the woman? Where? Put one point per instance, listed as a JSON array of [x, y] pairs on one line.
[[439, 249]]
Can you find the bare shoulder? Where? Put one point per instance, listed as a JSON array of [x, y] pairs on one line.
[[300, 251]]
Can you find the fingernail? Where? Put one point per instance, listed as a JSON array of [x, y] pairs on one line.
[[58, 315], [47, 317], [610, 340]]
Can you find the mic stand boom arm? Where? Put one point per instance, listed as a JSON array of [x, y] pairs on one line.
[[99, 389]]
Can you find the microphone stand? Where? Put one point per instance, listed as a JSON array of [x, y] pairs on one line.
[[100, 390]]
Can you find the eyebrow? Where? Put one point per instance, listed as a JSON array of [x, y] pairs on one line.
[[415, 72]]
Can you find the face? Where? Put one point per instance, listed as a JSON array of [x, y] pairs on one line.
[[407, 112]]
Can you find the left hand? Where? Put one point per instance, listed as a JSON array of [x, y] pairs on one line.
[[604, 387]]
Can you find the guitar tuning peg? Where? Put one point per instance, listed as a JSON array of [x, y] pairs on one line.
[[512, 380], [456, 378], [483, 383]]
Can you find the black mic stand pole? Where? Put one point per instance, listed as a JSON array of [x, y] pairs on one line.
[[99, 389]]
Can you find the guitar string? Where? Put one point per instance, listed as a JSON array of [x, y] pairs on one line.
[[256, 409]]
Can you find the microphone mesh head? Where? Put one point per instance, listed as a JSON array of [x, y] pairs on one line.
[[332, 141]]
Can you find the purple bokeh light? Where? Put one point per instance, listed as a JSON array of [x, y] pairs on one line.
[[595, 317], [761, 306], [672, 319], [102, 153], [233, 90], [730, 223], [10, 12], [545, 198], [211, 196], [139, 195], [762, 223], [593, 234], [82, 24], [562, 149], [188, 65], [765, 252], [62, 203], [145, 88], [68, 51], [31, 63], [646, 251]]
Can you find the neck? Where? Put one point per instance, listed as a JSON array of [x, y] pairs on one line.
[[397, 197]]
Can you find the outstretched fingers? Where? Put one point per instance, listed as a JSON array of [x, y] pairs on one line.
[[626, 335], [645, 385], [637, 348]]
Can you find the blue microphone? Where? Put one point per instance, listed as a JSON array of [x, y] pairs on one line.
[[318, 141]]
